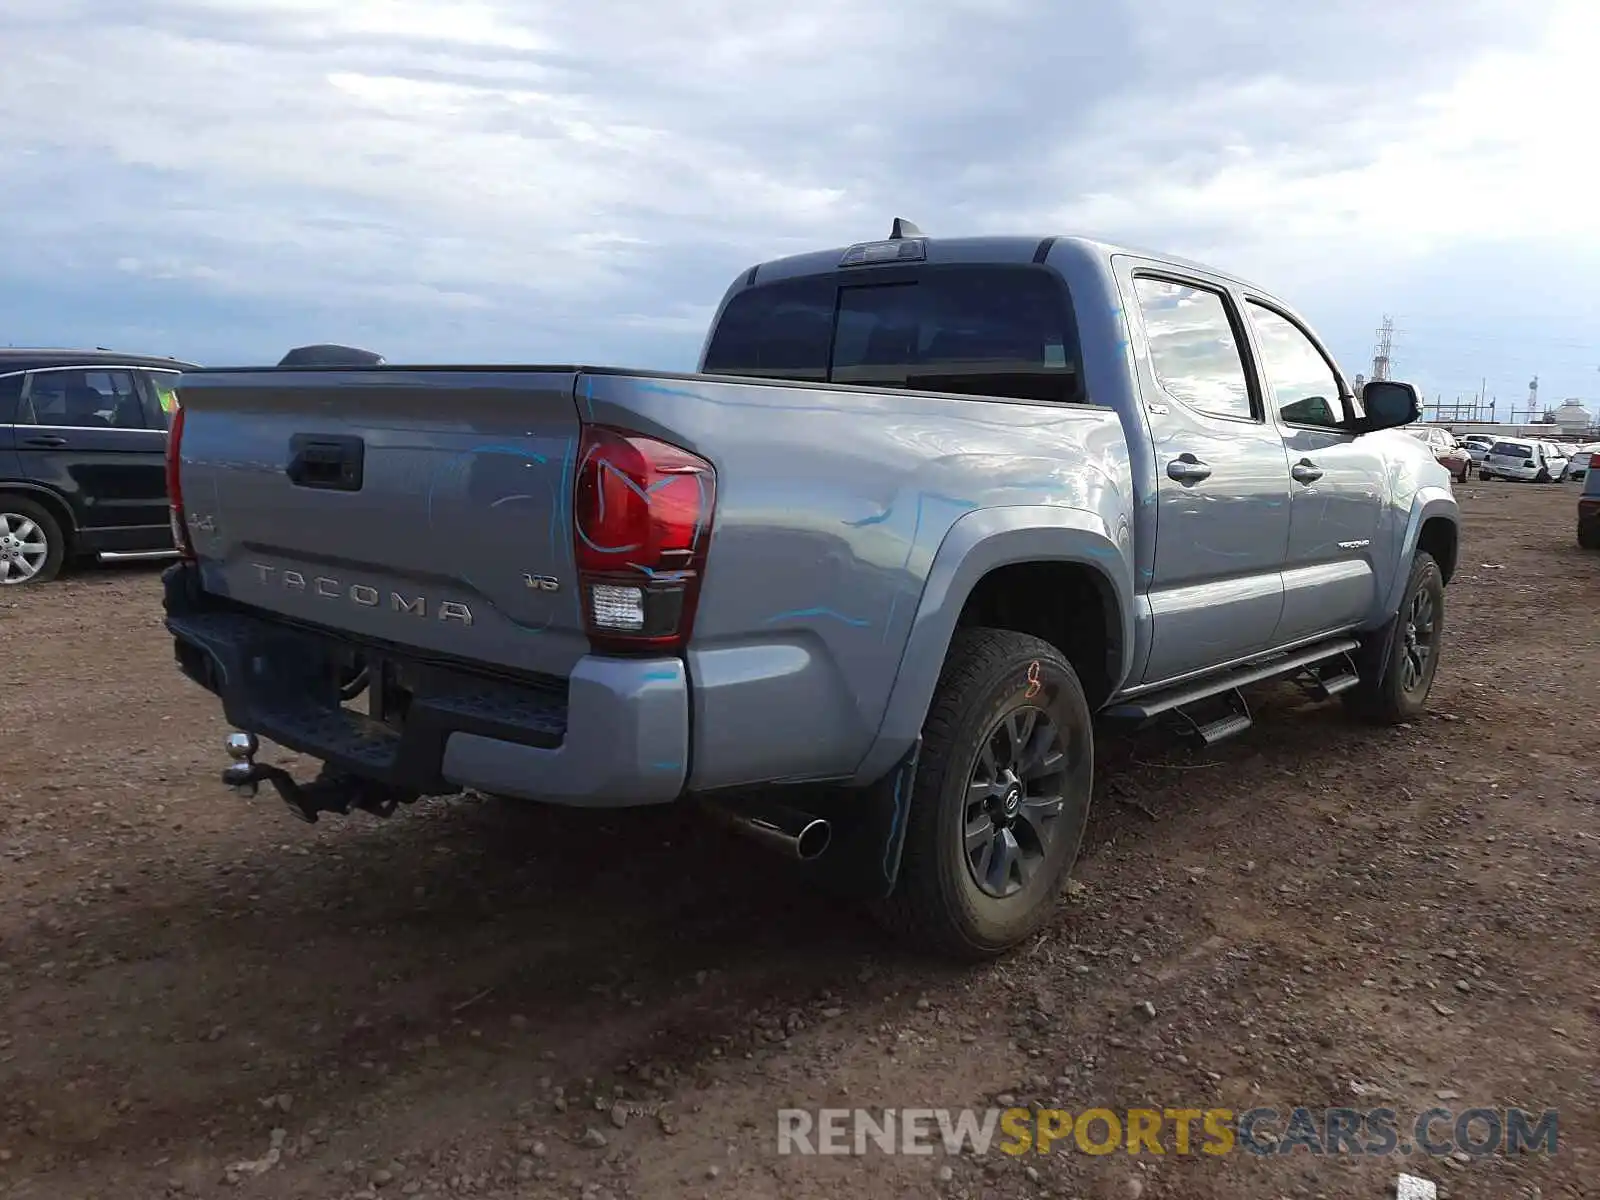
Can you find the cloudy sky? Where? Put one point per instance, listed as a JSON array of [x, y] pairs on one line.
[[537, 180]]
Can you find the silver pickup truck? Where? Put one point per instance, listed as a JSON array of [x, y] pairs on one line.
[[861, 585]]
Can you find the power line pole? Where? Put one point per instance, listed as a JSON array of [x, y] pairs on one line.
[[1382, 357]]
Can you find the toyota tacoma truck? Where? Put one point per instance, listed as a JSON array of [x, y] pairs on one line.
[[864, 584]]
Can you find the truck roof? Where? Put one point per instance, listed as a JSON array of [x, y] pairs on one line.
[[982, 249]]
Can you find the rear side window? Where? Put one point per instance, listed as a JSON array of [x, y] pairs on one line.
[[82, 399], [10, 393], [1193, 350], [985, 331], [163, 395]]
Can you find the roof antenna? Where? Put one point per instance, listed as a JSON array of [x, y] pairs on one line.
[[903, 228]]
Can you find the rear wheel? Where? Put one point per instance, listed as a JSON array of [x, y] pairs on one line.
[[32, 545], [1395, 687], [1000, 798], [1543, 476], [1589, 535]]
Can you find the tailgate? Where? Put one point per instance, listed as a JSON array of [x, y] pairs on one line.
[[426, 508]]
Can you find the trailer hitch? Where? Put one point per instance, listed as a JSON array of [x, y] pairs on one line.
[[331, 791]]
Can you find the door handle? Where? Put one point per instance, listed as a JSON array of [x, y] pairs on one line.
[[1306, 471], [1186, 468], [44, 440]]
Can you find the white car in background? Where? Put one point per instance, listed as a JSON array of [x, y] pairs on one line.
[[1477, 445], [1524, 459], [1580, 461]]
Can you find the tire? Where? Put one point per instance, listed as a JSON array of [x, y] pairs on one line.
[[1465, 471], [1543, 476], [994, 684], [24, 524], [1383, 696], [1589, 535]]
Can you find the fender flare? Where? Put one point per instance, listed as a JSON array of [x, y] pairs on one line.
[[1427, 503], [976, 544]]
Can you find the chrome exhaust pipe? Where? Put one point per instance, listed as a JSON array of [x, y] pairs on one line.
[[794, 834]]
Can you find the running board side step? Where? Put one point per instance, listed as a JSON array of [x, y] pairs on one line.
[[1234, 719], [1143, 708], [1326, 680]]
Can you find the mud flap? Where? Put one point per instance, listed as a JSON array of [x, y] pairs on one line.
[[869, 834]]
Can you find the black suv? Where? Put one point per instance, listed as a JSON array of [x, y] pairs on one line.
[[83, 440]]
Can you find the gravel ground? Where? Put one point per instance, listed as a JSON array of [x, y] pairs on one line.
[[200, 996]]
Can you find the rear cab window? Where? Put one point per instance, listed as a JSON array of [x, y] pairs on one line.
[[1003, 331]]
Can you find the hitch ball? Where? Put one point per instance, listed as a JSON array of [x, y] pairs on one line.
[[242, 747]]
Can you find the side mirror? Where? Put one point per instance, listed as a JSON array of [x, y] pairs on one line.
[[1388, 405]]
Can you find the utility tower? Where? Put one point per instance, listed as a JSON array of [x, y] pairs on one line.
[[1533, 414], [1385, 351]]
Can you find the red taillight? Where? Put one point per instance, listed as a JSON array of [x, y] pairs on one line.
[[180, 526], [641, 525]]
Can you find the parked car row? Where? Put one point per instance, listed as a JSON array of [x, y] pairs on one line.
[[1505, 458]]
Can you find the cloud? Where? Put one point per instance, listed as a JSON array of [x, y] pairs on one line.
[[531, 179]]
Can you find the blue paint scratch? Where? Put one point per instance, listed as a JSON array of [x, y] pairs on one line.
[[911, 545], [857, 622], [668, 675], [922, 497], [666, 766], [558, 510], [501, 448], [661, 389], [588, 394]]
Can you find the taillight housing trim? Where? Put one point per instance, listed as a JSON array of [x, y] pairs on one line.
[[180, 523], [642, 515]]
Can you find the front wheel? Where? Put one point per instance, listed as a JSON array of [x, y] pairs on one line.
[[1000, 799], [1395, 688]]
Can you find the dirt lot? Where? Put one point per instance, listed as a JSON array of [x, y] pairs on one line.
[[201, 996]]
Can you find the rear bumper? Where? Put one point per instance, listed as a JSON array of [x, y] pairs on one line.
[[615, 733]]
